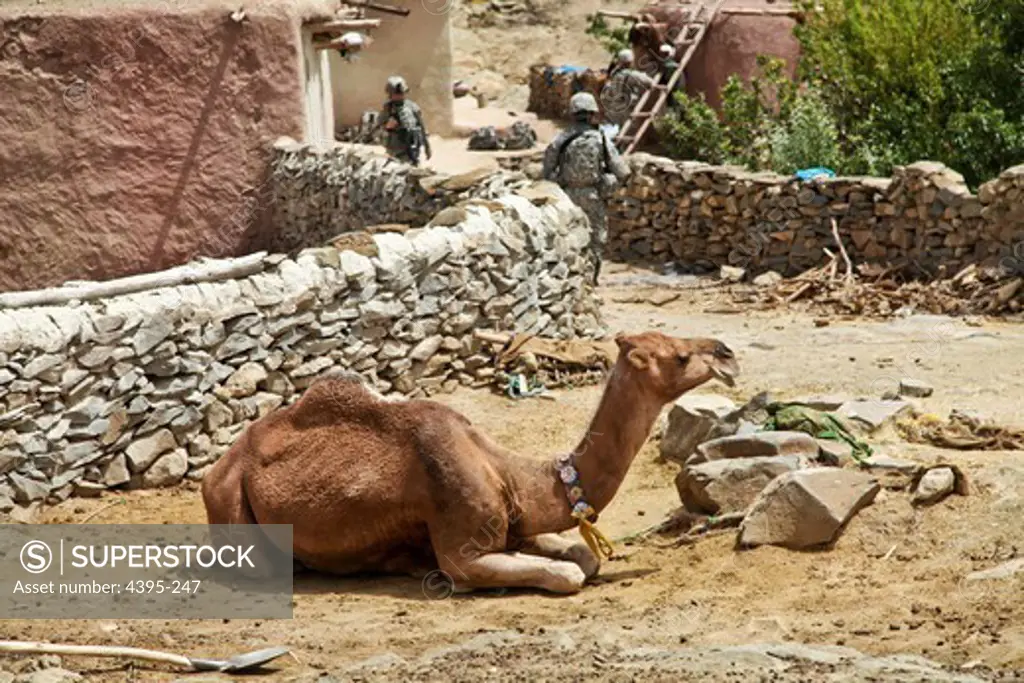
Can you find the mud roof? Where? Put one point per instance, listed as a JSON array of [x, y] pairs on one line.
[[92, 8]]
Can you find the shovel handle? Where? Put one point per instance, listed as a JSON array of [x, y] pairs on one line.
[[21, 647]]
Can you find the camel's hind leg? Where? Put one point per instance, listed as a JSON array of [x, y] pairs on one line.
[[515, 570], [559, 547]]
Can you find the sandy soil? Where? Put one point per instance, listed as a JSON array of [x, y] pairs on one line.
[[892, 584]]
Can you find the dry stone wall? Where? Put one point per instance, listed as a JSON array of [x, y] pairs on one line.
[[144, 389], [316, 192], [698, 214]]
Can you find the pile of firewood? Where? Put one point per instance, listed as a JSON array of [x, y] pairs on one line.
[[877, 291]]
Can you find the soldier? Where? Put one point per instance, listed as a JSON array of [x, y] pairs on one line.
[[585, 163], [669, 64], [403, 121], [625, 86]]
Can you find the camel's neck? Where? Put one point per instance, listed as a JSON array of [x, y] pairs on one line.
[[618, 430]]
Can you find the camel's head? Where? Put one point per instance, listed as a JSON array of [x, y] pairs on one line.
[[671, 366]]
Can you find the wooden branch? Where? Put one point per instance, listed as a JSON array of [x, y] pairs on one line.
[[19, 647], [842, 250], [342, 25], [612, 14], [203, 271]]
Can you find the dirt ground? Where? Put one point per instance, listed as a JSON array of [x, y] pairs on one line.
[[892, 584]]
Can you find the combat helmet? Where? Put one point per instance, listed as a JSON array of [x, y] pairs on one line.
[[396, 85], [583, 102]]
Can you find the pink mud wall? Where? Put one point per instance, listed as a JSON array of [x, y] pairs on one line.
[[128, 138], [732, 43]]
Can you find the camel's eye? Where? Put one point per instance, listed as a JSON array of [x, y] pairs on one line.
[[722, 351], [682, 358]]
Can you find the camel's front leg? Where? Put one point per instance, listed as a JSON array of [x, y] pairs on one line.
[[561, 548], [514, 570]]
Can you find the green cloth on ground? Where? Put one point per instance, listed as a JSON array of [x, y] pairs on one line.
[[797, 417]]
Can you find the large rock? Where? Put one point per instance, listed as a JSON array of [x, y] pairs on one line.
[[756, 445], [690, 422], [166, 471], [935, 484], [143, 452], [116, 472], [731, 485], [806, 508], [27, 490], [245, 380]]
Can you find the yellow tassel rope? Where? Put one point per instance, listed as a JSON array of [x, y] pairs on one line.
[[598, 542]]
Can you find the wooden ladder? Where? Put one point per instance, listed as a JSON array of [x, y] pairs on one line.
[[642, 117]]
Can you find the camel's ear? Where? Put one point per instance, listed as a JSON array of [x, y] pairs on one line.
[[624, 343], [638, 359]]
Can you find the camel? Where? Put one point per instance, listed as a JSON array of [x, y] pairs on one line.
[[410, 486]]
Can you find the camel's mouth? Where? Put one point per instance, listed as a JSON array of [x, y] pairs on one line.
[[724, 374]]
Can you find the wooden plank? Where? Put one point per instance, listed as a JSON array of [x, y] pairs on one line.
[[612, 14], [342, 25], [378, 6], [201, 271]]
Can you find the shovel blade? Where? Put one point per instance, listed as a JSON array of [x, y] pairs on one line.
[[239, 663]]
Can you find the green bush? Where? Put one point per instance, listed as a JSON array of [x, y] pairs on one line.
[[881, 82], [613, 39], [692, 130], [807, 137], [909, 80]]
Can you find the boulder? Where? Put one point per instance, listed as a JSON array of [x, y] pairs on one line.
[[166, 471], [806, 508], [758, 444], [731, 485], [245, 380], [690, 422], [143, 452], [933, 484], [116, 472]]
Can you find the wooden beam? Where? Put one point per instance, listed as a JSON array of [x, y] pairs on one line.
[[343, 25], [380, 7], [209, 270], [612, 14]]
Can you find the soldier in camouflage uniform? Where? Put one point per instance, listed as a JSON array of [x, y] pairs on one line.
[[626, 85], [586, 164], [403, 121]]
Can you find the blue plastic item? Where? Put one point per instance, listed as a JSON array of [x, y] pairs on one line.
[[811, 173]]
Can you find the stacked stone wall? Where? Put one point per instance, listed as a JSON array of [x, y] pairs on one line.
[[699, 214]]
